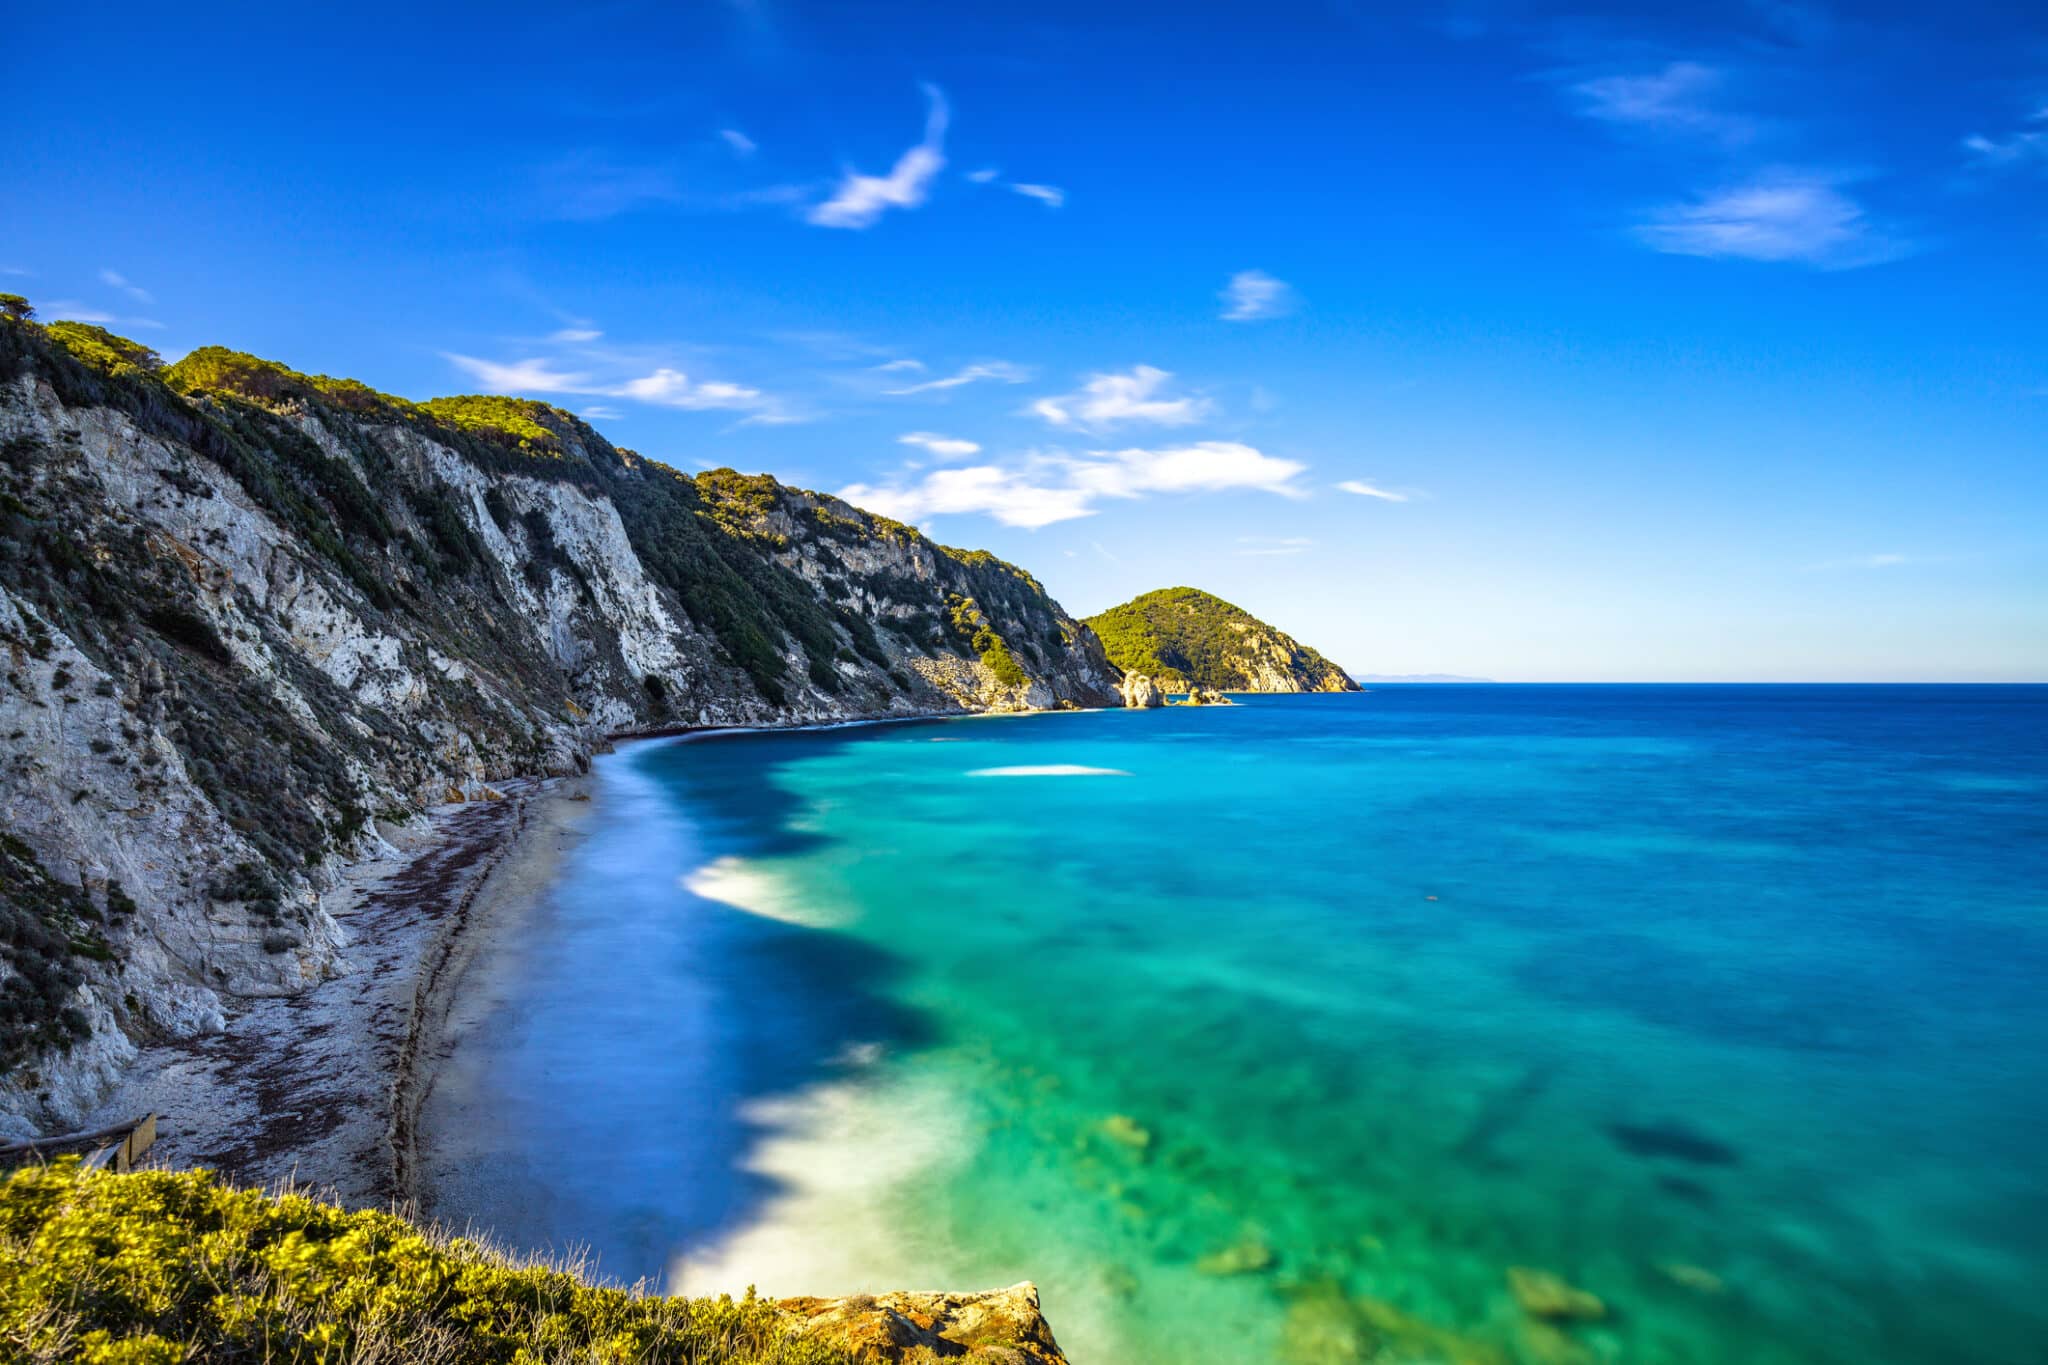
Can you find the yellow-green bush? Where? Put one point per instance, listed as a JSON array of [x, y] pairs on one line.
[[160, 1267]]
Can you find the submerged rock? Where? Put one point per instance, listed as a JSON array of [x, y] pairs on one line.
[[1119, 1282], [1405, 1337], [1545, 1343], [1324, 1327], [996, 1325], [1548, 1296], [1248, 1257], [1696, 1278], [1126, 1131]]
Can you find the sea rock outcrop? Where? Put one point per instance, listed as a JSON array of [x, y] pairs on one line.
[[247, 615], [998, 1326], [1205, 696], [1139, 691]]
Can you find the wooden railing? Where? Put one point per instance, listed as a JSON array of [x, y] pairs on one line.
[[116, 1149]]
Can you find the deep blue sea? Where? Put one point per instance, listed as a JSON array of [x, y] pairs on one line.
[[1282, 1031]]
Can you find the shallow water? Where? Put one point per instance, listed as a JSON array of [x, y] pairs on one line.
[[1282, 1031]]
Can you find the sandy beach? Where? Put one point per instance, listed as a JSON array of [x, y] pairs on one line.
[[324, 1088]]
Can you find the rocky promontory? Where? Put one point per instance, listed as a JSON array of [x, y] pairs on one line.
[[1184, 638]]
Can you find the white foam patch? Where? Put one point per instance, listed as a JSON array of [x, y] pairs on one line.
[[1049, 770], [750, 887], [849, 1163]]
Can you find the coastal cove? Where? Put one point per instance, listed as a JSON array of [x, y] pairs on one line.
[[1288, 1030]]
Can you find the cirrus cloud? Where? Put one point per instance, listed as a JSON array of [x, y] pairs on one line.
[[944, 447], [861, 200], [1002, 371], [1794, 217], [1253, 295]]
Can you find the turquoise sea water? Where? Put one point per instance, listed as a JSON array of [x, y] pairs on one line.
[[1281, 1031]]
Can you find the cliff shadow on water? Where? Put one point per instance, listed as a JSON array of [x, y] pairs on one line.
[[649, 1031]]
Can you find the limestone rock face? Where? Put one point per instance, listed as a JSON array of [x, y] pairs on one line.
[[1140, 692], [246, 615], [997, 1326]]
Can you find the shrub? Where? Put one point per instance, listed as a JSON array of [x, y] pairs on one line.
[[973, 629], [168, 1267], [101, 349], [45, 926]]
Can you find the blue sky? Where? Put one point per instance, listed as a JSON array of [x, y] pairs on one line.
[[1589, 342]]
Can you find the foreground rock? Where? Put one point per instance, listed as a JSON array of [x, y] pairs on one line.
[[998, 1326], [159, 1267]]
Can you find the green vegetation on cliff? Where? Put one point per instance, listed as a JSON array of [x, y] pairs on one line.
[[1187, 637], [46, 926], [157, 1268], [970, 625], [711, 539]]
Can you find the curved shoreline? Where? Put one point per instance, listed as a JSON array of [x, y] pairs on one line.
[[327, 1086], [318, 1087]]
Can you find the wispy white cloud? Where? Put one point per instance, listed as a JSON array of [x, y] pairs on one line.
[[1001, 371], [1052, 196], [1011, 496], [861, 200], [16, 270], [575, 335], [115, 279], [2012, 150], [1043, 488], [2026, 146], [1676, 98], [1107, 400], [1361, 488], [1761, 207], [71, 310], [601, 412], [1205, 466], [663, 387], [521, 376], [1273, 546], [944, 447], [742, 146], [1781, 216], [1253, 294], [984, 175], [673, 389], [905, 363], [588, 187]]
